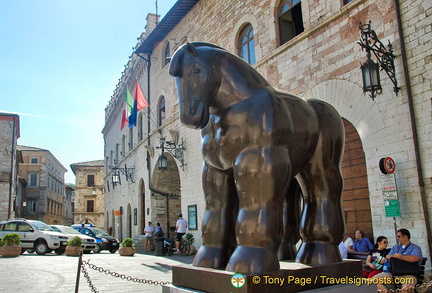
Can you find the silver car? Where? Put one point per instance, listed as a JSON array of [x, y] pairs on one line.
[[88, 243]]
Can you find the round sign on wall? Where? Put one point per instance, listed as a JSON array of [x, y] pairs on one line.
[[387, 165]]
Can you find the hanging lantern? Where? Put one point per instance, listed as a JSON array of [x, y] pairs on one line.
[[371, 78]]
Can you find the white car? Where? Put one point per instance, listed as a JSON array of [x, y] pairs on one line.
[[35, 236], [88, 243]]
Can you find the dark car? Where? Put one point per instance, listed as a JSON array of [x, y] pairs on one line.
[[104, 241]]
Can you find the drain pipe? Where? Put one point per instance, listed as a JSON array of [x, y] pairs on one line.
[[413, 127], [148, 60]]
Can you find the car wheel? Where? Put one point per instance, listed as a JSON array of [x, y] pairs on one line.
[[22, 250], [86, 251], [41, 247], [113, 250], [97, 249], [59, 251]]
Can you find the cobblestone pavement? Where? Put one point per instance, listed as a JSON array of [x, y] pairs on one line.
[[58, 273]]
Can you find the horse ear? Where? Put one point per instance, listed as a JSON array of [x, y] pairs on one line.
[[192, 50]]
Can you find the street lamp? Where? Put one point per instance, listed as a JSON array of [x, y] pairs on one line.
[[176, 150], [115, 178], [163, 161], [370, 70], [371, 77]]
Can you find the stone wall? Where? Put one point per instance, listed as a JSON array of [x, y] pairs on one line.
[[7, 143]]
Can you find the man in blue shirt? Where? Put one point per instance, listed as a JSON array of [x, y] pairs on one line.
[[406, 251], [362, 244]]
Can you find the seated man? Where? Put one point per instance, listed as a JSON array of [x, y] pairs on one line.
[[361, 243], [406, 251]]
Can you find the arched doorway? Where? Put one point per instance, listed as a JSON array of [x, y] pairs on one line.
[[129, 221], [355, 196], [165, 196], [114, 232], [142, 221]]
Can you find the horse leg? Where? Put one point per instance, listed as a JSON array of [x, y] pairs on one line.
[[322, 223], [262, 176], [291, 214], [218, 227]]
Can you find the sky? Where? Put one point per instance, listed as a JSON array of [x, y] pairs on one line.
[[60, 61]]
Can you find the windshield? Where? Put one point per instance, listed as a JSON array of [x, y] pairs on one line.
[[99, 232], [68, 230], [42, 226]]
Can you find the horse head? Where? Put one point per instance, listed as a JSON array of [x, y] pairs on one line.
[[197, 80]]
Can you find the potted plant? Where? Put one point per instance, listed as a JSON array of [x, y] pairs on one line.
[[127, 247], [74, 246], [188, 241], [10, 245]]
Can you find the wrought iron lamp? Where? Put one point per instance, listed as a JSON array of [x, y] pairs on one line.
[[115, 178], [127, 172], [176, 150], [370, 70]]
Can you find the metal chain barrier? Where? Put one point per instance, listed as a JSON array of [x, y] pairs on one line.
[[83, 263], [417, 287], [114, 274]]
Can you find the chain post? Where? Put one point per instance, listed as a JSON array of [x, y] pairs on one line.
[[78, 272]]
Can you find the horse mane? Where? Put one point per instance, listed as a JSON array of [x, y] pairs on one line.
[[253, 78], [176, 60]]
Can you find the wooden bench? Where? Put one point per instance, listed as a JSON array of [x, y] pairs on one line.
[[358, 255]]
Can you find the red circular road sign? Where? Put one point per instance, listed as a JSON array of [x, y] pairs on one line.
[[387, 165]]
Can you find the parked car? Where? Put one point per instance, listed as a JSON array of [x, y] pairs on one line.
[[88, 243], [35, 236], [104, 241]]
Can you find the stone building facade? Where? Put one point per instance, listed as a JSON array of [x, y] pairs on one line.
[[69, 203], [318, 58], [9, 159], [89, 193], [44, 196]]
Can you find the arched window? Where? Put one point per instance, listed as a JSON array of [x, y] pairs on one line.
[[161, 111], [123, 149], [246, 44], [290, 20], [140, 127], [167, 55], [130, 143]]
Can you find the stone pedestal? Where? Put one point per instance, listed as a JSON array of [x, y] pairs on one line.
[[292, 277]]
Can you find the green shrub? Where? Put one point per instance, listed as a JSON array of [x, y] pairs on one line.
[[127, 242], [10, 239], [189, 239], [75, 241]]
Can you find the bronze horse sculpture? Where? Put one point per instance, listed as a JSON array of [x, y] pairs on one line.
[[263, 149]]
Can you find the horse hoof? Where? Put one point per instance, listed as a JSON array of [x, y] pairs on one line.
[[253, 260], [318, 253], [210, 257]]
